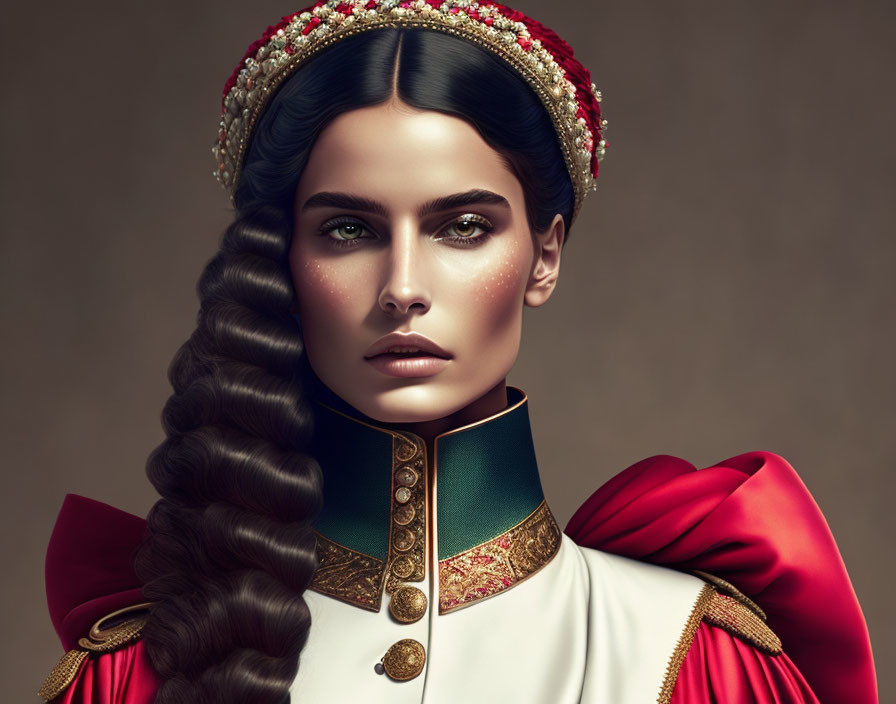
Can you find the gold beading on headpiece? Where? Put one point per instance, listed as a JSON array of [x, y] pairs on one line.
[[538, 55]]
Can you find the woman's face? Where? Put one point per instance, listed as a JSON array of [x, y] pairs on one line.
[[409, 223]]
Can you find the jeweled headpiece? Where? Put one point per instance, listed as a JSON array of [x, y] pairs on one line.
[[541, 57]]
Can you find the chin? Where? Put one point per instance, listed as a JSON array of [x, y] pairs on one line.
[[416, 403]]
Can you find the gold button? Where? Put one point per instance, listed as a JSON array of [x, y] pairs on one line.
[[404, 660], [408, 604], [402, 494], [405, 451], [403, 567], [406, 476], [403, 539], [404, 514]]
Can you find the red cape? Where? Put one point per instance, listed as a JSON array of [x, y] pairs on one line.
[[748, 519]]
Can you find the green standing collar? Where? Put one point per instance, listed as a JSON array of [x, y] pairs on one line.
[[382, 492], [487, 479]]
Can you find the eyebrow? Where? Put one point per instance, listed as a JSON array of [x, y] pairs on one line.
[[475, 196]]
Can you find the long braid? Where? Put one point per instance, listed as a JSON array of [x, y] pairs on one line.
[[230, 547]]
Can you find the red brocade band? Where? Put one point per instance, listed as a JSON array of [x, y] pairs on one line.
[[751, 521]]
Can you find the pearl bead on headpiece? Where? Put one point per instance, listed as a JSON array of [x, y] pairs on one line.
[[543, 59]]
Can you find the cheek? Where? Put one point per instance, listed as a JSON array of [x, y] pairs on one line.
[[327, 289], [317, 286], [327, 302], [496, 294]]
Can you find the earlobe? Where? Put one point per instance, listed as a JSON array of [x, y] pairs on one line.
[[546, 266]]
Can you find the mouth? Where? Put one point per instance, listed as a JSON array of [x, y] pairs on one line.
[[407, 355], [405, 345]]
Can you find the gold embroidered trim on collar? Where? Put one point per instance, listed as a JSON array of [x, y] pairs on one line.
[[466, 578], [348, 575], [500, 563], [356, 578]]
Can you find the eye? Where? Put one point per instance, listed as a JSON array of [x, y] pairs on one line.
[[345, 232], [467, 230]]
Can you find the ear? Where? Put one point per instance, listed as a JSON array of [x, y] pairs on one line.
[[546, 266]]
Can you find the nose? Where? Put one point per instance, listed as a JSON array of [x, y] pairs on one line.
[[405, 288]]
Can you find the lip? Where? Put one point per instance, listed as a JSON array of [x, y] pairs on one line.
[[402, 340], [384, 356]]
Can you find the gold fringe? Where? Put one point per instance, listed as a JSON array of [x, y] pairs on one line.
[[706, 596]]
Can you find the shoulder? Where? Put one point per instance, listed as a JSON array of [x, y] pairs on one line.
[[750, 520], [695, 598], [630, 579], [649, 620], [94, 597]]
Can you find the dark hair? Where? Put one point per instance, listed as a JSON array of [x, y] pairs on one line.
[[231, 547]]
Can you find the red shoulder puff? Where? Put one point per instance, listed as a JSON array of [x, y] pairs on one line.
[[89, 567], [751, 521], [94, 599]]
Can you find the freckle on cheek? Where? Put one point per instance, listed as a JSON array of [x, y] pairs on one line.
[[318, 284], [501, 284]]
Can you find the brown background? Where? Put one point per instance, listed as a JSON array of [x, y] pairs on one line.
[[728, 288]]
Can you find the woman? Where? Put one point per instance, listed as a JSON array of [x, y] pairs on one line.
[[351, 506]]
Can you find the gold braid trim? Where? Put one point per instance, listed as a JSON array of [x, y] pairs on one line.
[[500, 563], [63, 674], [707, 594], [735, 612], [348, 575], [731, 615], [729, 589], [98, 640]]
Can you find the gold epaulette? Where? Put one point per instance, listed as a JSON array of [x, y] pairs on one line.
[[720, 604], [109, 633], [734, 612]]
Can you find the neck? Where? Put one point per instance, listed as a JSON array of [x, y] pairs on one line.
[[492, 402]]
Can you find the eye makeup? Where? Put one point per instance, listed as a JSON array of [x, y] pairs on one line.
[[468, 230], [349, 226], [468, 220]]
